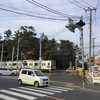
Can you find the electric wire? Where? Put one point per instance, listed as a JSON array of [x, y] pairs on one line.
[[46, 8], [88, 4], [80, 3], [49, 9], [57, 33], [75, 4], [19, 9], [31, 15], [96, 19], [26, 10], [97, 4]]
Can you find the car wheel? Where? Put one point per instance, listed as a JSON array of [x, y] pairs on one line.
[[12, 74], [36, 84], [20, 82]]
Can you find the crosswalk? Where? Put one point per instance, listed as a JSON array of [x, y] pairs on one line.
[[30, 92]]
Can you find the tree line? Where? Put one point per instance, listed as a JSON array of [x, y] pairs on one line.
[[29, 47]]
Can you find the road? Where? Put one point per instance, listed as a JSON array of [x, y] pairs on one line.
[[10, 90]]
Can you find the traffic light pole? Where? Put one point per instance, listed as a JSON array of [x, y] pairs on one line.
[[72, 26], [82, 50]]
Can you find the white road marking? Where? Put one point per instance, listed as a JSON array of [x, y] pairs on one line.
[[54, 91], [7, 97], [28, 92], [54, 88], [18, 94], [62, 88], [46, 92]]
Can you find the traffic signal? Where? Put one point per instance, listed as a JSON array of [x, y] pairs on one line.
[[71, 27], [80, 23]]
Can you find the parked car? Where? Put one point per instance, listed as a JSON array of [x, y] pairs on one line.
[[33, 77], [7, 71]]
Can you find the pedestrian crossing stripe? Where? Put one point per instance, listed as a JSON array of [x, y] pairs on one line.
[[63, 88], [55, 91], [7, 97], [46, 92], [30, 92], [18, 94], [54, 88], [24, 91]]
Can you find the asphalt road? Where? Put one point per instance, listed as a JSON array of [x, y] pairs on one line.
[[57, 90]]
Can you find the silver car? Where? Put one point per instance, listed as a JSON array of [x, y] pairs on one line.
[[6, 71]]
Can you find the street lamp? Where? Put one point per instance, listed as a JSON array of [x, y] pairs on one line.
[[72, 26]]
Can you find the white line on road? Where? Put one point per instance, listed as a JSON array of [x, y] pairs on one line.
[[54, 88], [54, 91], [18, 94], [7, 97], [36, 90], [62, 88], [28, 92]]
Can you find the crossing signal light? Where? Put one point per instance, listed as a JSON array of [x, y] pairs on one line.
[[80, 23]]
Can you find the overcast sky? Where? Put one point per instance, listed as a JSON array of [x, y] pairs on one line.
[[51, 17]]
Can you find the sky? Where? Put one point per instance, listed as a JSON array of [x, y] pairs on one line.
[[50, 17]]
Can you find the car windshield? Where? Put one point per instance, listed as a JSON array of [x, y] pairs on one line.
[[39, 73]]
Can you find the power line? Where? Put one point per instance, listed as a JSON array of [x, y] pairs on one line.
[[87, 3], [57, 33], [96, 8], [25, 10], [75, 4], [79, 3], [19, 9], [97, 4], [49, 9], [31, 15]]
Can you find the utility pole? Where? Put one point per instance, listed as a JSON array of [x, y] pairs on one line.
[[2, 54], [40, 53], [18, 50], [90, 35], [12, 56]]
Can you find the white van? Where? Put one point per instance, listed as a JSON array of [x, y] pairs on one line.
[[33, 77]]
